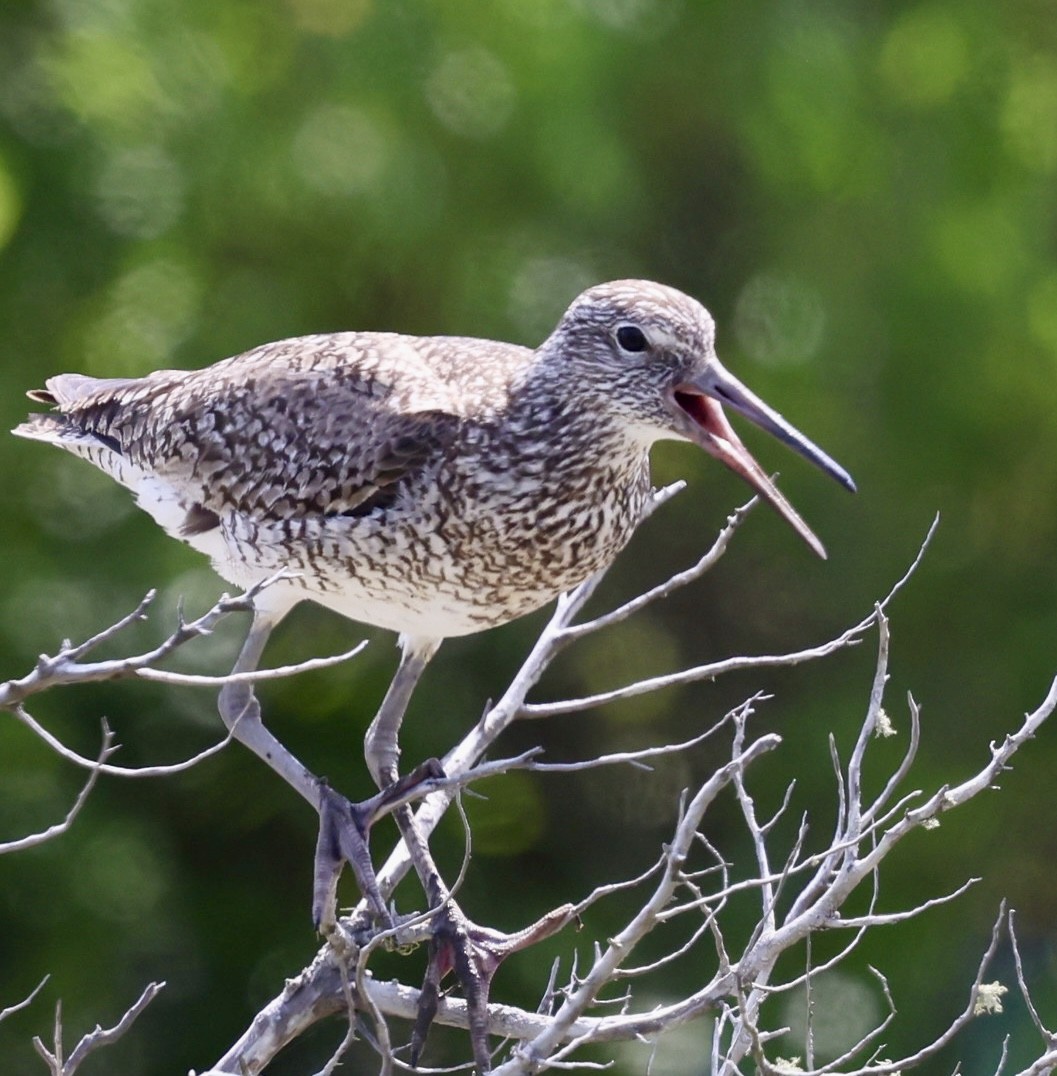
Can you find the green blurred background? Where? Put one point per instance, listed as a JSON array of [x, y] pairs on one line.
[[863, 195]]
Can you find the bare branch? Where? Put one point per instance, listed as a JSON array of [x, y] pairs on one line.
[[66, 667], [59, 828], [853, 821], [673, 583], [750, 967], [639, 756], [1047, 1036], [901, 771], [94, 1040], [25, 1002], [890, 1068], [280, 672], [709, 671], [67, 753], [879, 919], [644, 921]]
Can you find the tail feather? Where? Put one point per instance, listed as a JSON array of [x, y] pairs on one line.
[[67, 428], [84, 422], [73, 396], [68, 390], [43, 428], [98, 448]]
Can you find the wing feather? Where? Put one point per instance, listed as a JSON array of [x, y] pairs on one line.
[[325, 425]]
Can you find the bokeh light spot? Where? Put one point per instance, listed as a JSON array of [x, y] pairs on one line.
[[75, 502], [140, 192], [193, 74], [541, 15], [677, 1051], [925, 56], [27, 95], [119, 874], [810, 127], [330, 18], [641, 800], [148, 312], [470, 92], [979, 245], [255, 44], [779, 320], [1029, 119], [541, 289], [340, 150], [94, 16], [650, 17], [641, 649], [104, 79], [510, 819], [10, 204], [844, 1009], [1042, 312], [62, 608]]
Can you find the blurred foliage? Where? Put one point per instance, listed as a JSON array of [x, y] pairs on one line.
[[863, 194]]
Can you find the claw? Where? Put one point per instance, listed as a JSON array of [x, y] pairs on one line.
[[343, 832], [474, 954], [344, 829]]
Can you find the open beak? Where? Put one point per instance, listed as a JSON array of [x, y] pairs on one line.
[[700, 401]]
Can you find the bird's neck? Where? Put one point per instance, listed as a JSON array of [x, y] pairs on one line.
[[551, 401], [557, 435]]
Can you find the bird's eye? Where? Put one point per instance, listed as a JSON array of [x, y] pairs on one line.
[[632, 338]]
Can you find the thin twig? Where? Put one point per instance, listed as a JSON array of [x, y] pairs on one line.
[[25, 1002], [57, 829], [95, 1039]]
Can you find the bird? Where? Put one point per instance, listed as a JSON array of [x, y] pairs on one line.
[[435, 486]]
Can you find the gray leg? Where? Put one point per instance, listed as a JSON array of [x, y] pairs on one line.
[[380, 746], [241, 713], [343, 825], [457, 944], [382, 751]]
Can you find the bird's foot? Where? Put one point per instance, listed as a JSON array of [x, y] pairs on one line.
[[344, 830], [473, 953]]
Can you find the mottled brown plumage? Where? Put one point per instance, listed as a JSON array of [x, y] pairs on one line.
[[435, 486]]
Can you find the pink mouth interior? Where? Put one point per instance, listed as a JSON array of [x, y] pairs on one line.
[[701, 409]]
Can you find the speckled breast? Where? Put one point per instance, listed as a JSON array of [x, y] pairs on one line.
[[473, 543]]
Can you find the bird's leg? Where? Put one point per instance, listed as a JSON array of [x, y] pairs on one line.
[[380, 746], [473, 953], [343, 825], [241, 713]]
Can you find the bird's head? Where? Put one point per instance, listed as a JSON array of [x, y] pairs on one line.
[[650, 352]]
